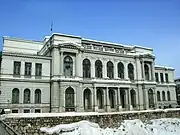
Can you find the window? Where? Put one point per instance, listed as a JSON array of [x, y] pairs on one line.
[[26, 111], [168, 96], [68, 66], [151, 98], [69, 99], [86, 68], [15, 111], [17, 68], [166, 76], [120, 70], [157, 77], [98, 69], [15, 96], [131, 71], [162, 77], [28, 68], [37, 96], [158, 96], [146, 70], [163, 96], [26, 96], [110, 70], [37, 110], [38, 69]]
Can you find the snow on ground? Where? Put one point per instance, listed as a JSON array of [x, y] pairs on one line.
[[164, 126]]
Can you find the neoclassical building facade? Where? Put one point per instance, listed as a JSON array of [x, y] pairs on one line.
[[70, 73]]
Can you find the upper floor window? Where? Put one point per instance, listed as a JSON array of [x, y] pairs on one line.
[[28, 67], [68, 66], [110, 70], [162, 77], [131, 71], [157, 77], [98, 69], [158, 96], [120, 70], [17, 68], [146, 70], [163, 96], [15, 96], [38, 69], [168, 96], [86, 68], [166, 76]]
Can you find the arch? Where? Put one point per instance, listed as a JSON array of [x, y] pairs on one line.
[[158, 96], [121, 70], [98, 69], [27, 94], [168, 96], [151, 98], [133, 98], [86, 68], [37, 96], [163, 96], [68, 66], [87, 99], [123, 98], [69, 99], [146, 71], [112, 98], [15, 96], [131, 71], [110, 69], [100, 99]]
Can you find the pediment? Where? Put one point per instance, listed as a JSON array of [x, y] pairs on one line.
[[72, 45]]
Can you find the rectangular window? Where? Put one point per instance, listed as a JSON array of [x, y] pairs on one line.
[[17, 67], [157, 77], [37, 110], [38, 69], [26, 111], [167, 79], [28, 67], [14, 111], [162, 77]]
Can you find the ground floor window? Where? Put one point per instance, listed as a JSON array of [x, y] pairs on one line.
[[37, 110], [26, 111], [15, 111]]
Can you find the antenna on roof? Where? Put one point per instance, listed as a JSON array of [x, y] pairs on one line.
[[51, 27]]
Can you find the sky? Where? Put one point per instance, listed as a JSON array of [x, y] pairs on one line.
[[149, 23]]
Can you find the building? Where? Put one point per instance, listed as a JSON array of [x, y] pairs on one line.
[[177, 82], [69, 73]]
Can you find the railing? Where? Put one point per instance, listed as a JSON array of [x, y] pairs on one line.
[[6, 130]]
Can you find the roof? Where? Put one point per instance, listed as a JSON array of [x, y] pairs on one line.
[[164, 67]]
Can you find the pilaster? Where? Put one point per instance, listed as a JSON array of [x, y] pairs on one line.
[[95, 99], [104, 69], [61, 63], [115, 70], [126, 71], [92, 68], [55, 97], [107, 100]]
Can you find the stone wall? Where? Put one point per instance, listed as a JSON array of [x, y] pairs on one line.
[[31, 124]]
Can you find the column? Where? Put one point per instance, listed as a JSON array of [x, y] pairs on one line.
[[107, 99], [104, 69], [127, 100], [79, 99], [55, 62], [61, 63], [152, 71], [119, 99], [115, 70], [116, 99], [33, 70], [138, 69], [55, 97], [92, 68], [130, 102], [146, 104], [95, 99], [62, 99], [143, 74], [22, 68], [78, 65], [126, 71]]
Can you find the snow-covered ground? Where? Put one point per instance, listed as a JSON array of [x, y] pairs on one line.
[[164, 126]]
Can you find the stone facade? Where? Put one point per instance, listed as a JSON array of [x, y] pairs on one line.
[[78, 74]]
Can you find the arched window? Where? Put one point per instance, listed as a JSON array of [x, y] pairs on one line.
[[87, 99], [69, 99], [86, 68], [98, 68], [133, 98], [120, 70], [100, 100], [131, 71], [163, 96], [15, 96], [158, 96], [37, 96], [110, 70], [27, 95], [168, 96], [68, 66], [146, 70], [112, 98], [123, 98], [151, 98]]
